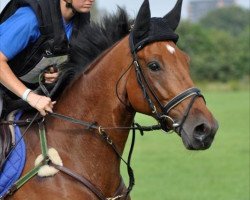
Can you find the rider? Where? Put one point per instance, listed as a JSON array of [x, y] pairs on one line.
[[20, 32]]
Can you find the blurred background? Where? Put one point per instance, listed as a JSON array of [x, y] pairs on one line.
[[215, 34]]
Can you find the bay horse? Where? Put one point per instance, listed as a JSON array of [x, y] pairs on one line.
[[143, 72]]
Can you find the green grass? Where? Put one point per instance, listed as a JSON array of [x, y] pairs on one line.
[[165, 170]]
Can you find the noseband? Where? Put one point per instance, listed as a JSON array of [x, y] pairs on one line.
[[163, 116]]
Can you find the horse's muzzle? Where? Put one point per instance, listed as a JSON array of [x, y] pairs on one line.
[[201, 136]]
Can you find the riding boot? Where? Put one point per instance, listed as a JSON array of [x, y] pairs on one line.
[[1, 103], [1, 134], [5, 136]]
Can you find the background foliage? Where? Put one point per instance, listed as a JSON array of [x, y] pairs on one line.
[[219, 45]]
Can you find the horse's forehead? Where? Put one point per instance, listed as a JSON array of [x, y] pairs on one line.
[[162, 50], [170, 48], [165, 51], [166, 48]]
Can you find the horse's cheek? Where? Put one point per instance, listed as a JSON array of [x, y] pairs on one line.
[[135, 95]]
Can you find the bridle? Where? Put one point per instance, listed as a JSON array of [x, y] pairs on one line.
[[162, 116]]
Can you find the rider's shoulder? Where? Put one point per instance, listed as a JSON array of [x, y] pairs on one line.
[[25, 13]]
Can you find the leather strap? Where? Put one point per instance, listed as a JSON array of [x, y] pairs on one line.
[[181, 97], [81, 179]]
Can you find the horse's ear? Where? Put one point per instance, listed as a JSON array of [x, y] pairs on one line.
[[174, 16], [142, 21]]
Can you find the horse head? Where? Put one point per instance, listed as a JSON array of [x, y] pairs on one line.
[[165, 89]]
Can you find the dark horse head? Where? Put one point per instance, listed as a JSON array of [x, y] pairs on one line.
[[162, 73]]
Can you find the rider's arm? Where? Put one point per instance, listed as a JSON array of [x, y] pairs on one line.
[[11, 82], [16, 33]]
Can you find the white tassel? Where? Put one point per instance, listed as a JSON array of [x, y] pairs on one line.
[[47, 170]]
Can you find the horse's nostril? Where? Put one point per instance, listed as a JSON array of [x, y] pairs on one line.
[[201, 128], [201, 132]]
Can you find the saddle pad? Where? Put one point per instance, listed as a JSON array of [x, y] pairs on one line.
[[15, 163]]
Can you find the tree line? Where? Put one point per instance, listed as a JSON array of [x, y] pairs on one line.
[[218, 45]]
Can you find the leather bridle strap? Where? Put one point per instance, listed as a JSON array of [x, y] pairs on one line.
[[191, 92], [89, 185], [181, 97], [81, 179], [147, 90]]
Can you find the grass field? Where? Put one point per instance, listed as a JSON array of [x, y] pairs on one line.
[[165, 170]]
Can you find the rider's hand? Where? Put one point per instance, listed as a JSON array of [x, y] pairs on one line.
[[42, 103], [51, 75]]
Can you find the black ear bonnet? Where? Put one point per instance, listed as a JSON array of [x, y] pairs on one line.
[[147, 30]]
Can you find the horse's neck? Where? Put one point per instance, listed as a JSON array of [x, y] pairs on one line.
[[92, 98]]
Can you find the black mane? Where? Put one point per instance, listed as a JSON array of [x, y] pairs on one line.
[[94, 39]]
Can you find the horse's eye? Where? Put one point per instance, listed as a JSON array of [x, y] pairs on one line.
[[154, 66]]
